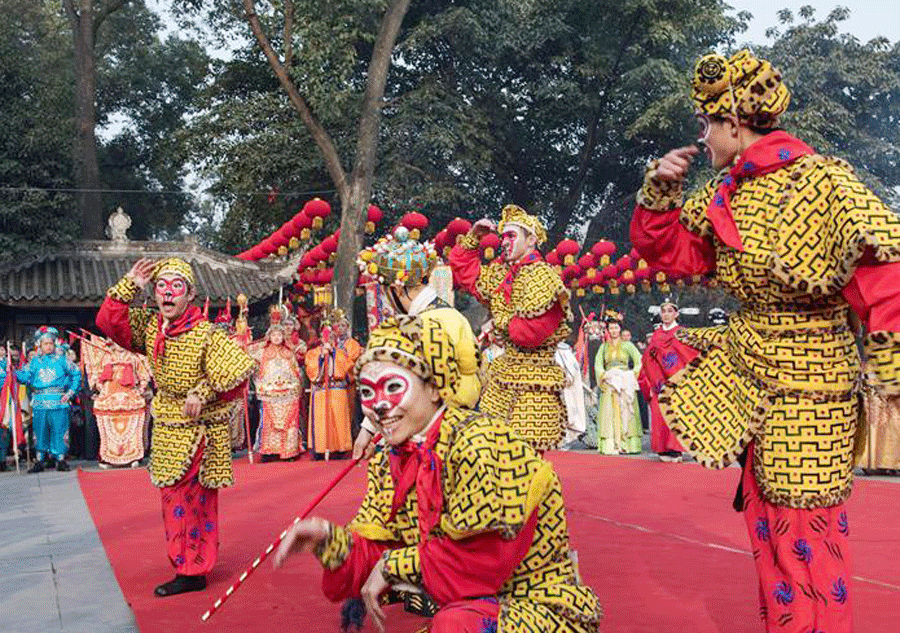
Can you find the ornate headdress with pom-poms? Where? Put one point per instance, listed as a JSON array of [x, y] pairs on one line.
[[398, 259]]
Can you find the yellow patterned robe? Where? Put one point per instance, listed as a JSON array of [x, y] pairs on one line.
[[785, 371], [491, 481], [205, 362], [524, 386]]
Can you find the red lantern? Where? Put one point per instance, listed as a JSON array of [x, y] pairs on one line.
[[609, 272], [441, 240], [373, 217], [317, 209], [587, 261], [568, 249], [489, 245], [415, 222], [603, 251], [552, 258], [278, 239], [624, 263], [267, 247], [458, 226], [308, 261], [570, 273], [287, 231], [330, 243]]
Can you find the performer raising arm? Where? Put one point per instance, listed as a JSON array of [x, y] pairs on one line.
[[799, 240], [199, 374], [530, 309]]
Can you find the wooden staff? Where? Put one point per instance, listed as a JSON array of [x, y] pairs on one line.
[[271, 548]]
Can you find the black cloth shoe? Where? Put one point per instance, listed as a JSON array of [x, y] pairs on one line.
[[62, 466], [3, 466], [37, 467], [181, 584]]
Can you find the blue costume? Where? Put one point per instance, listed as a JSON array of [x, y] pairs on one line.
[[50, 377]]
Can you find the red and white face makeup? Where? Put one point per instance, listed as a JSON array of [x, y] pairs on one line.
[[514, 243], [173, 294], [395, 399]]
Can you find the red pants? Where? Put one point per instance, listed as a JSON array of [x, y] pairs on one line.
[[467, 616], [191, 519], [803, 562]]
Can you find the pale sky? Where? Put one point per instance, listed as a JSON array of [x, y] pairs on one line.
[[868, 18]]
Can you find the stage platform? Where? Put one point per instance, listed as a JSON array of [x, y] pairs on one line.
[[659, 543]]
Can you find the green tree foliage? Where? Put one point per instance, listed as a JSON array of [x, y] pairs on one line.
[[553, 104], [845, 94], [35, 138], [148, 85]]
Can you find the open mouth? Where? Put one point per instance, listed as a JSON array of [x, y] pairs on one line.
[[168, 304], [389, 423]]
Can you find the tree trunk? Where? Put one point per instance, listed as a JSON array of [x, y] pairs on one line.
[[356, 192], [564, 207], [84, 151], [353, 213]]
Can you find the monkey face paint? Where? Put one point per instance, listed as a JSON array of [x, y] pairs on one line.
[[395, 399], [173, 294]]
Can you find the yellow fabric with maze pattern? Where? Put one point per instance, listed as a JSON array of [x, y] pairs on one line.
[[523, 387], [491, 481], [202, 361], [785, 370]]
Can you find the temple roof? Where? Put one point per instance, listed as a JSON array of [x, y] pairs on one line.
[[79, 275]]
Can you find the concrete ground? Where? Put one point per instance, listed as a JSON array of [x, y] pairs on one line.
[[54, 574]]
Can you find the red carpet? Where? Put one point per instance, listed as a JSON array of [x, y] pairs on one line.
[[659, 544]]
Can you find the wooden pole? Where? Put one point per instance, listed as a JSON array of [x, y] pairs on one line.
[[271, 548]]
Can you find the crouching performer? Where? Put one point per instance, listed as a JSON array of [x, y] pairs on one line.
[[458, 508]]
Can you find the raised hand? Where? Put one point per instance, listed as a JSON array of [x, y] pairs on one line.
[[674, 165], [482, 227], [141, 272]]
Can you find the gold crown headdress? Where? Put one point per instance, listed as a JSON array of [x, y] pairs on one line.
[[514, 214]]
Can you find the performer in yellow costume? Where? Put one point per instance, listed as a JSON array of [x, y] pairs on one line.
[[402, 266], [530, 308], [459, 508], [199, 374], [799, 241]]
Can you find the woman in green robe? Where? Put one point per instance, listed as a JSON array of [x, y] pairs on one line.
[[618, 418]]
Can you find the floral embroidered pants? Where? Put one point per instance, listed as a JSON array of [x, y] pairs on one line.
[[468, 616], [803, 561], [190, 517]]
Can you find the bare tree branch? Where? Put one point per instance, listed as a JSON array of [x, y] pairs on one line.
[[319, 134], [288, 33], [111, 6], [565, 206], [353, 213]]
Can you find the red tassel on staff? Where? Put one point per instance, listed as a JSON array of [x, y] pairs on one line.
[[271, 548]]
